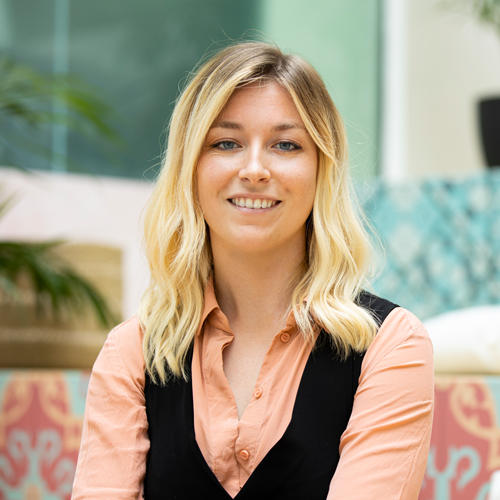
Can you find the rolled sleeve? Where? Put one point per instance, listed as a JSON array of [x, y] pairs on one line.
[[383, 451], [115, 443]]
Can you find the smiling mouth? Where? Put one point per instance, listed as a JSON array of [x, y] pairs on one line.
[[249, 203]]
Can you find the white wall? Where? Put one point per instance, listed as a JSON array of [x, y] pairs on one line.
[[451, 61], [81, 209]]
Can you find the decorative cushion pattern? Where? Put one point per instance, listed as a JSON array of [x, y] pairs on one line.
[[441, 239], [41, 416]]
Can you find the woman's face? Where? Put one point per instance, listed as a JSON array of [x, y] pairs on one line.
[[256, 174]]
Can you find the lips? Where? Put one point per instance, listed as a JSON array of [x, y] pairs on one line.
[[251, 203]]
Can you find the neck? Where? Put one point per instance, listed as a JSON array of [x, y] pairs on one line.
[[254, 290]]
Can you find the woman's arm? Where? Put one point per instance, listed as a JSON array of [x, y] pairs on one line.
[[115, 443], [383, 451]]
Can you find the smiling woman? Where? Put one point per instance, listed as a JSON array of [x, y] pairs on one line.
[[266, 371]]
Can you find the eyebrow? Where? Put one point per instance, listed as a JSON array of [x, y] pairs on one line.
[[236, 126], [228, 125], [287, 126]]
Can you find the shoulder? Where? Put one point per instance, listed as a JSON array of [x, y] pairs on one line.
[[396, 324], [122, 351], [127, 338], [401, 336], [400, 325]]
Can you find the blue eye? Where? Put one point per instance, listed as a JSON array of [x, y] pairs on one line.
[[287, 146], [225, 145]]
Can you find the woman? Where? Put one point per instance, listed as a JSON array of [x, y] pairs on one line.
[[265, 370]]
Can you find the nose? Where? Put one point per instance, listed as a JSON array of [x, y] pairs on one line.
[[255, 169]]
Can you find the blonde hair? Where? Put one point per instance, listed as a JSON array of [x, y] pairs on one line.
[[176, 239]]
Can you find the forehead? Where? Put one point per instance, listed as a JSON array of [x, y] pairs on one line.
[[265, 100]]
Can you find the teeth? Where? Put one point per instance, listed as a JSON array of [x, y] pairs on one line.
[[249, 203]]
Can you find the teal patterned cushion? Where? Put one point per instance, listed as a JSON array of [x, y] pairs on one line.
[[441, 240]]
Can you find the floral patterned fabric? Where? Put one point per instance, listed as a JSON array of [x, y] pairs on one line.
[[465, 444], [41, 416]]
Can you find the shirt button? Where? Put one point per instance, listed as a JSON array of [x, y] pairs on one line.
[[285, 337], [258, 393], [244, 454]]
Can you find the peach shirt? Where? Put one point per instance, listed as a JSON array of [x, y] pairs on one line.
[[387, 438]]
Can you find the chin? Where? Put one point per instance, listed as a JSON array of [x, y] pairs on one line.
[[250, 242]]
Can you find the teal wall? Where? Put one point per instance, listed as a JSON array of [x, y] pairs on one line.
[[136, 53], [141, 51], [341, 39]]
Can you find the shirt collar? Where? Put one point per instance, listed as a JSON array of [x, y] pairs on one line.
[[212, 305]]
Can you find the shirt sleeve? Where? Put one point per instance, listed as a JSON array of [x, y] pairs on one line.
[[112, 459], [383, 451]]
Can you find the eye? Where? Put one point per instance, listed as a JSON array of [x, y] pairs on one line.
[[287, 146], [225, 145]]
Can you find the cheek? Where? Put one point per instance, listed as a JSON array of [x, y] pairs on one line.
[[209, 182], [305, 185], [211, 173]]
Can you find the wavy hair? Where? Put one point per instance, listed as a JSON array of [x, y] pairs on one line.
[[176, 239]]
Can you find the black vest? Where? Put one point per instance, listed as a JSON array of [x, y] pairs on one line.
[[299, 466]]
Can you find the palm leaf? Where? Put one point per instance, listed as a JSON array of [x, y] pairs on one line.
[[54, 282], [28, 98], [5, 204]]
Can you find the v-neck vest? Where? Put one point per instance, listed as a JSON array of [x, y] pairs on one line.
[[300, 465]]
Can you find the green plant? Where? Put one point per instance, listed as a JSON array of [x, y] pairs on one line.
[[56, 286], [30, 99]]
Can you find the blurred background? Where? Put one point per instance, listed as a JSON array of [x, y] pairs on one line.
[[86, 92]]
